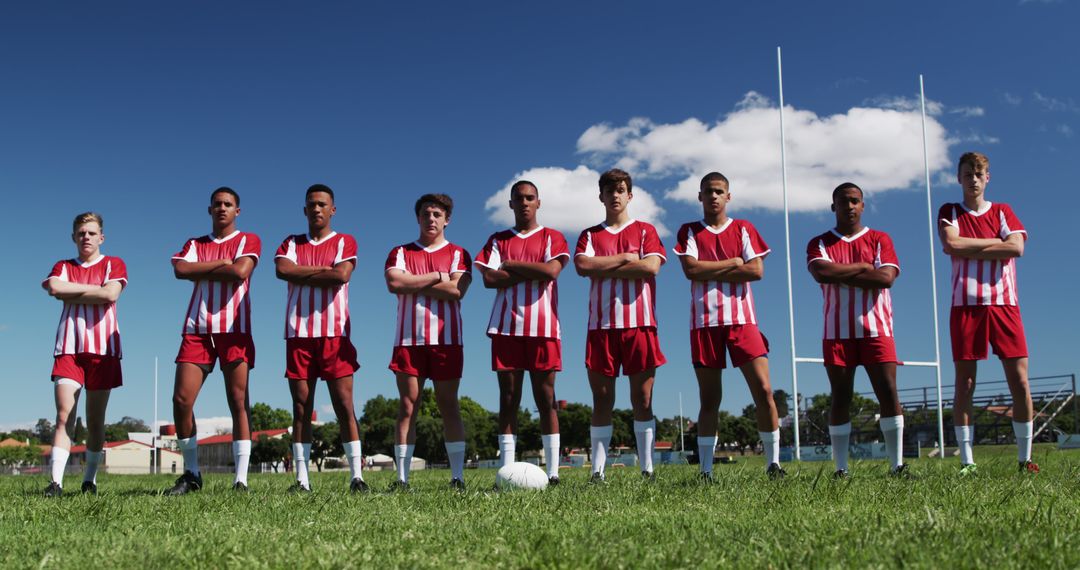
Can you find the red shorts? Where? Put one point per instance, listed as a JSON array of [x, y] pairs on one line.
[[92, 371], [743, 342], [438, 362], [851, 352], [525, 353], [328, 358], [206, 348], [972, 328], [634, 350]]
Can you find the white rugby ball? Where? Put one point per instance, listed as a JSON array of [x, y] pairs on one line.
[[521, 475]]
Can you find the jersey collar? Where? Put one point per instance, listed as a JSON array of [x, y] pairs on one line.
[[986, 208], [314, 241], [224, 239], [608, 229], [722, 228], [852, 238], [87, 264], [526, 234], [432, 249]]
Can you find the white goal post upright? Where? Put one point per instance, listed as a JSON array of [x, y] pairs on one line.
[[795, 359], [933, 272], [787, 253]]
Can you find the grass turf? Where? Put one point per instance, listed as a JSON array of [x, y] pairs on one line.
[[1000, 519]]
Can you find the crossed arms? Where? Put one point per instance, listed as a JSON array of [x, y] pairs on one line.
[[436, 284], [512, 272], [733, 270], [314, 275], [83, 293], [216, 270], [980, 248], [618, 266], [862, 275]]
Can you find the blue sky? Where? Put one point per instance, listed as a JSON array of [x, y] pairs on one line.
[[138, 111]]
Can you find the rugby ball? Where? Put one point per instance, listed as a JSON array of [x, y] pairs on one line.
[[521, 475]]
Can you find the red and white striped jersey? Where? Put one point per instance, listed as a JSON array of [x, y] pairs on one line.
[[530, 308], [717, 303], [616, 303], [313, 311], [424, 320], [854, 312], [84, 328], [978, 281], [219, 306]]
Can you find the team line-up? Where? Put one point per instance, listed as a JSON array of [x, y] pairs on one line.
[[855, 265]]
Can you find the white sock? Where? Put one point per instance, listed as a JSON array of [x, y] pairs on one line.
[[601, 440], [1023, 431], [93, 459], [646, 438], [770, 442], [965, 435], [403, 458], [840, 436], [354, 453], [189, 447], [551, 453], [455, 450], [300, 463], [241, 450], [59, 462], [706, 450], [893, 430], [307, 453], [507, 448]]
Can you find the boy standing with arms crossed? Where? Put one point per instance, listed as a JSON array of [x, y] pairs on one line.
[[87, 353], [318, 267], [217, 327], [621, 257], [430, 277], [523, 264], [721, 256], [984, 240]]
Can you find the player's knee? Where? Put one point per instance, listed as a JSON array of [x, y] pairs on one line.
[[182, 402]]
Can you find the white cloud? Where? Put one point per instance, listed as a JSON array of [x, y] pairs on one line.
[[879, 149], [1065, 130], [967, 111], [972, 138], [1012, 99], [906, 104], [1054, 104], [569, 198]]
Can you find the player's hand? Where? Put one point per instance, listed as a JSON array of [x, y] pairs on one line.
[[739, 261], [630, 256]]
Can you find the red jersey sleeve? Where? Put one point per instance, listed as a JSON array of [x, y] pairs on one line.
[[489, 255], [464, 262], [287, 249], [753, 245], [348, 250], [584, 245], [116, 271], [58, 272], [1010, 224], [815, 250], [886, 254], [651, 244], [947, 215], [557, 248], [685, 244], [396, 259], [186, 253], [252, 247]]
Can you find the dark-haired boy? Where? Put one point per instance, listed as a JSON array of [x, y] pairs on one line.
[[430, 277], [217, 326], [721, 256], [523, 264], [856, 266], [984, 239], [318, 266], [621, 257]]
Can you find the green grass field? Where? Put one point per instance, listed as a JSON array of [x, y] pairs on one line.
[[1000, 519]]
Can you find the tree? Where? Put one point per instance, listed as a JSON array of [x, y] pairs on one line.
[[20, 455], [574, 423], [781, 398], [119, 431], [270, 450], [263, 417], [44, 431], [325, 443]]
